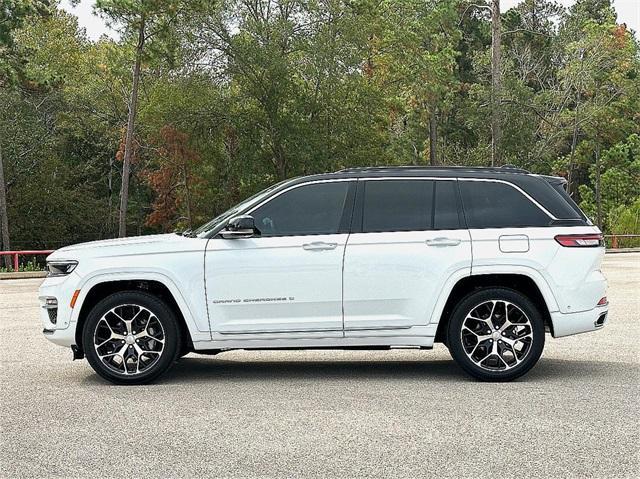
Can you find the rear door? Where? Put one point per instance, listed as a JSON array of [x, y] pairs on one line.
[[407, 239]]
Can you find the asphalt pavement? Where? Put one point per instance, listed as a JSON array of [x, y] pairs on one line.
[[403, 413]]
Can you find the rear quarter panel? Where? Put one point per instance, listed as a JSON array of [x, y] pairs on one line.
[[569, 278]]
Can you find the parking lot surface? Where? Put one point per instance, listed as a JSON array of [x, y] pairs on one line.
[[402, 413]]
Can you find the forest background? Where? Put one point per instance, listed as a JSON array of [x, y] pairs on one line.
[[199, 104]]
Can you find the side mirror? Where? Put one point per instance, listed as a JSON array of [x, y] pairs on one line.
[[242, 226]]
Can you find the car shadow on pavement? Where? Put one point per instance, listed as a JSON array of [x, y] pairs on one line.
[[205, 369], [195, 369]]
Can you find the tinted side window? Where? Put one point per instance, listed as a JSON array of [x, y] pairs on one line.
[[569, 201], [497, 205], [446, 210], [397, 205], [309, 209]]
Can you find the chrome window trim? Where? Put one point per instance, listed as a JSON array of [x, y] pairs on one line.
[[382, 178], [526, 195], [214, 233], [442, 178], [292, 187], [486, 180]]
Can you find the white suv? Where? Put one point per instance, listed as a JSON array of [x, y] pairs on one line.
[[480, 259]]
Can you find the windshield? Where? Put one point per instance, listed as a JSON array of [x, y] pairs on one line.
[[218, 220]]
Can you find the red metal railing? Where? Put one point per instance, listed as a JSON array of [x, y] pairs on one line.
[[615, 238], [17, 254]]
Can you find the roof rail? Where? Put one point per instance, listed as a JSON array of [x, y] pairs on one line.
[[503, 169]]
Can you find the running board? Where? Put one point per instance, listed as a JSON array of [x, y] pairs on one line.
[[370, 340]]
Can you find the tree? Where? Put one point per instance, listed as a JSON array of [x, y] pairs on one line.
[[496, 83], [143, 20], [59, 127], [4, 218], [495, 97], [13, 14], [529, 57], [257, 46], [599, 90], [615, 183], [172, 181], [233, 95], [417, 62]]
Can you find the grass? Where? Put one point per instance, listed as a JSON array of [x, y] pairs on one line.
[[24, 267]]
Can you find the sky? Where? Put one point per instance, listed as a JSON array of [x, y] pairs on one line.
[[628, 12]]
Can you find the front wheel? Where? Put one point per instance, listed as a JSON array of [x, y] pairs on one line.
[[496, 334], [131, 337]]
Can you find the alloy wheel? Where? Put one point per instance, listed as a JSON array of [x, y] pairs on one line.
[[496, 335], [129, 339]]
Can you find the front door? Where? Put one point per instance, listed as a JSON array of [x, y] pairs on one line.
[[289, 278], [408, 239]]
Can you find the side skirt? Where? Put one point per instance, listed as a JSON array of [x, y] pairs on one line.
[[422, 337]]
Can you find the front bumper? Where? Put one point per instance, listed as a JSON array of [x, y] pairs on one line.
[[57, 326], [566, 324]]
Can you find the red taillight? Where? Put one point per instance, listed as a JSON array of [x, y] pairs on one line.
[[580, 241], [602, 301]]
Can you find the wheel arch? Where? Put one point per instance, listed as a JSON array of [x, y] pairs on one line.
[[99, 288], [523, 283]]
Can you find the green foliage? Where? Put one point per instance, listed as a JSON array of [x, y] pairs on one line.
[[13, 14], [626, 219], [619, 185], [258, 90], [29, 266]]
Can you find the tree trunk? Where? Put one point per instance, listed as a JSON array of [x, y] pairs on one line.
[[4, 218], [496, 85], [433, 137], [110, 224], [598, 189], [281, 167], [185, 174], [279, 160], [574, 143], [133, 107]]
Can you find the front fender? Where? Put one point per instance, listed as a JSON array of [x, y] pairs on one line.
[[197, 324]]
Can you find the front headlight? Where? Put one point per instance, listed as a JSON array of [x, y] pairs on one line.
[[60, 268]]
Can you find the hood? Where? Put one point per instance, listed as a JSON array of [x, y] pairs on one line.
[[120, 246]]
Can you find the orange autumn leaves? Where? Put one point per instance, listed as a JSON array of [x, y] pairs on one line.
[[172, 180]]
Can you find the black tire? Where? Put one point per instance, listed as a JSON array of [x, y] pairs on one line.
[[494, 366], [153, 364]]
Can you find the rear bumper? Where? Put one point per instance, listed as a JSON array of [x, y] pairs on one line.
[[566, 324]]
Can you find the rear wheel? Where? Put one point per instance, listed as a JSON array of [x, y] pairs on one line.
[[496, 334], [131, 337]]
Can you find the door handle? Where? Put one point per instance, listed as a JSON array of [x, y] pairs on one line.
[[443, 242], [319, 246]]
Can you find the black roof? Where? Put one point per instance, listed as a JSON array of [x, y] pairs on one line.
[[540, 187], [430, 169], [507, 173], [489, 172]]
